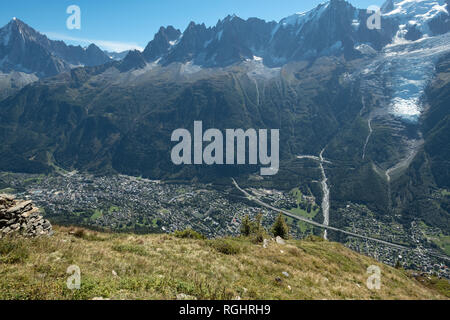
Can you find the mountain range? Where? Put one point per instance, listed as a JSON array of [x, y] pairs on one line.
[[30, 55], [374, 102], [332, 28]]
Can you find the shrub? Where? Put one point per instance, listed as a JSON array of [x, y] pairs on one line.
[[79, 233], [442, 285], [253, 229], [280, 227], [13, 251], [246, 226], [313, 238], [189, 234], [259, 233], [258, 236], [86, 235], [226, 246], [135, 249]]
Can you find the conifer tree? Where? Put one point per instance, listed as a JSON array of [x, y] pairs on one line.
[[280, 227]]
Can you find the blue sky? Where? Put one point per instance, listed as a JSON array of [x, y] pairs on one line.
[[119, 24]]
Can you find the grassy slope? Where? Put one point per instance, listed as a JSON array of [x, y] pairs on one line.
[[162, 266]]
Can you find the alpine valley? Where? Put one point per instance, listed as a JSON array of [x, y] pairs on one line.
[[363, 115]]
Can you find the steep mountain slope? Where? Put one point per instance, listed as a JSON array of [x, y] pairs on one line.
[[13, 81], [162, 42], [436, 123], [419, 191], [121, 266], [77, 111]]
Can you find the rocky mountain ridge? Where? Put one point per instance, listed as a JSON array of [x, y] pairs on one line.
[[24, 49], [332, 28]]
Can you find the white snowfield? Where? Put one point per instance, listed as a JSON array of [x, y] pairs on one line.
[[301, 18], [417, 12]]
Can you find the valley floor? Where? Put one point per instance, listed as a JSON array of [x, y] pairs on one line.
[[128, 266], [134, 205]]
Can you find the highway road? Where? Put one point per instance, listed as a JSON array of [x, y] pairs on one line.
[[314, 223], [320, 225]]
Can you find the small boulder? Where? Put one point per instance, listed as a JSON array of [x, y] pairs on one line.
[[280, 240]]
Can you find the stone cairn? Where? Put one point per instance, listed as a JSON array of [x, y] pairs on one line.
[[21, 218]]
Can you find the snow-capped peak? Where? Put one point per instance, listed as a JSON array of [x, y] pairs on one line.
[[17, 27], [415, 13], [303, 17]]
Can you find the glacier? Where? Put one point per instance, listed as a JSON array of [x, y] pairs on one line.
[[411, 67], [408, 67]]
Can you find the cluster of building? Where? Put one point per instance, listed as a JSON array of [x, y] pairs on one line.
[[130, 204]]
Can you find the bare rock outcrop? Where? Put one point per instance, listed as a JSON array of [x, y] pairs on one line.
[[22, 218]]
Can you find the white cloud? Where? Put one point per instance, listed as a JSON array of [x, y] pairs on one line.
[[113, 46]]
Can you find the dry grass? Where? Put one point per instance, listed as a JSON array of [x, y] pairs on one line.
[[162, 266]]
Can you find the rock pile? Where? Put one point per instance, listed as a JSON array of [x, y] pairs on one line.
[[20, 217]]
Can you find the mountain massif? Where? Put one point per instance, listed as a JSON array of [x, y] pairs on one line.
[[31, 55], [374, 102]]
